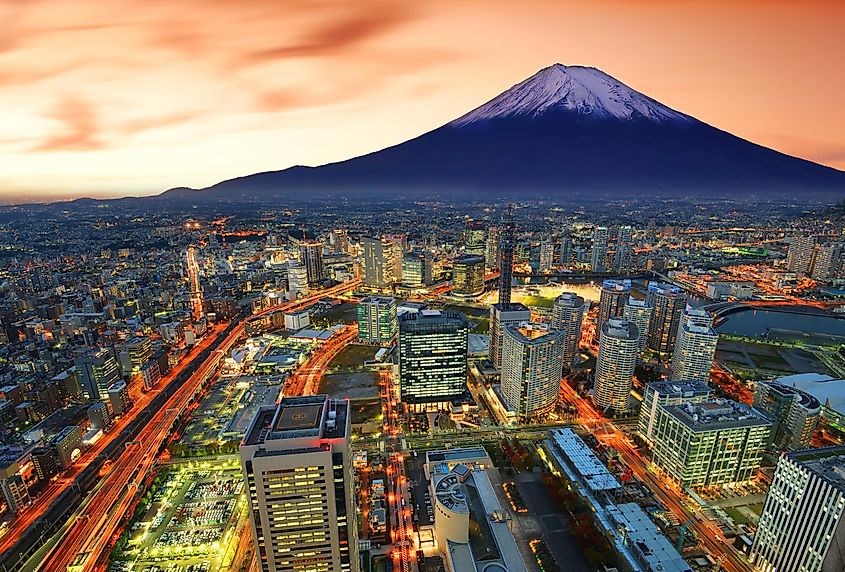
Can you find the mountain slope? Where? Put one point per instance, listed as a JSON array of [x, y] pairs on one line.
[[567, 130]]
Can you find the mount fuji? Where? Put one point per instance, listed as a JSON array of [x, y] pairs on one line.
[[566, 131]]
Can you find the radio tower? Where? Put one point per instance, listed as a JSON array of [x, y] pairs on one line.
[[196, 290]]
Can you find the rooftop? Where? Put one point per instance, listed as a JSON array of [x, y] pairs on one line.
[[591, 470], [533, 333], [679, 388], [716, 415], [828, 463], [647, 544], [828, 390], [297, 417], [620, 328]]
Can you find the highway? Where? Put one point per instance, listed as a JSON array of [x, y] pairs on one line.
[[306, 380]]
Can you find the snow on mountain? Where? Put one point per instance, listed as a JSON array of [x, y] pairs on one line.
[[583, 90]]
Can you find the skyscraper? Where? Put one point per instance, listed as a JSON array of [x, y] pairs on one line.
[[614, 295], [474, 242], [639, 312], [794, 413], [491, 249], [468, 276], [298, 471], [416, 268], [618, 348], [97, 371], [802, 527], [311, 256], [506, 246], [567, 317], [377, 320], [698, 316], [566, 250], [694, 351], [432, 358], [799, 257], [531, 368], [598, 258], [340, 241], [623, 259], [667, 304], [504, 313], [547, 255], [382, 261], [297, 277], [827, 263]]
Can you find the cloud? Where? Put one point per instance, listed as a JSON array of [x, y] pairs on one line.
[[80, 130], [141, 124]]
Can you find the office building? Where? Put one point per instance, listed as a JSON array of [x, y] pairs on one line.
[[432, 358], [507, 240], [639, 312], [618, 349], [502, 316], [382, 261], [598, 257], [547, 255], [827, 263], [614, 296], [566, 250], [567, 317], [45, 463], [67, 445], [98, 415], [474, 240], [468, 276], [298, 472], [119, 398], [662, 393], [799, 257], [97, 371], [694, 351], [532, 365], [717, 442], [623, 259], [311, 256], [297, 278], [139, 350], [416, 269], [491, 248], [802, 528], [667, 303], [377, 320], [794, 414], [340, 241]]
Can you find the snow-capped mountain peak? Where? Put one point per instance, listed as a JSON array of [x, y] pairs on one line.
[[582, 90]]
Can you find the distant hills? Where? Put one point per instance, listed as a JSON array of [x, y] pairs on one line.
[[565, 131]]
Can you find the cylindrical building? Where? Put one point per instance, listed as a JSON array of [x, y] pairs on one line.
[[567, 316], [618, 348], [468, 276], [614, 295]]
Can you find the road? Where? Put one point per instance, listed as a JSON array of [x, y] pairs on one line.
[[306, 380]]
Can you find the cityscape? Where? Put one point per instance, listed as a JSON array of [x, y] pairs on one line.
[[259, 316]]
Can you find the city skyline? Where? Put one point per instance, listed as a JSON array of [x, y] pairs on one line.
[[80, 124]]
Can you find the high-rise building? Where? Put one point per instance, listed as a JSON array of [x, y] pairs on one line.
[[432, 358], [491, 249], [793, 412], [500, 317], [393, 248], [297, 278], [623, 259], [98, 415], [694, 351], [827, 263], [382, 261], [566, 250], [377, 320], [67, 445], [667, 304], [468, 276], [507, 240], [119, 398], [567, 317], [716, 442], [97, 371], [614, 295], [531, 368], [547, 255], [474, 240], [662, 393], [45, 463], [340, 241], [416, 269], [799, 257], [311, 256], [617, 358], [639, 312], [297, 467], [598, 258], [802, 528], [698, 316], [139, 350]]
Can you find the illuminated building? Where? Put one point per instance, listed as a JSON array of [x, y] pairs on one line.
[[567, 316], [598, 257], [623, 259], [566, 250], [468, 276], [531, 368], [802, 527], [45, 463], [491, 248], [827, 264], [614, 295], [297, 278], [698, 316], [377, 320], [139, 351], [667, 303], [67, 444], [474, 242], [298, 471], [119, 398], [432, 358], [662, 393], [504, 313], [547, 255], [311, 256], [694, 351], [618, 349], [794, 412], [98, 415], [382, 261], [799, 257], [717, 442], [340, 241], [97, 371], [416, 269], [639, 312]]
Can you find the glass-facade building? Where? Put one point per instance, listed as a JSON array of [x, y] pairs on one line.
[[377, 320]]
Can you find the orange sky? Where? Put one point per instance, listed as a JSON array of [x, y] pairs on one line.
[[115, 97]]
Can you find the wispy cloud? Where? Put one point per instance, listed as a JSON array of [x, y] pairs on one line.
[[79, 130]]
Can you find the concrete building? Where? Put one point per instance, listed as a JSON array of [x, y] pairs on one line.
[[614, 296], [474, 239], [802, 528], [98, 415], [694, 351], [829, 391], [662, 393], [97, 370], [568, 316], [532, 364], [617, 358], [827, 263], [667, 304], [119, 398], [468, 276], [623, 258], [295, 321], [491, 248], [502, 316], [67, 445], [382, 261], [416, 269], [547, 255], [297, 278], [311, 257], [793, 412], [598, 256], [298, 472], [716, 442], [377, 320], [432, 359], [698, 316], [639, 312], [799, 257]]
